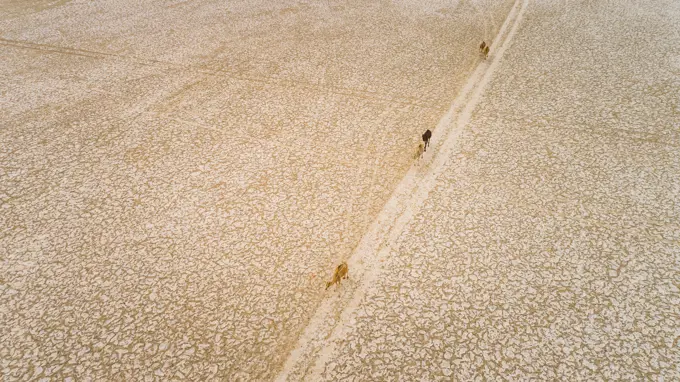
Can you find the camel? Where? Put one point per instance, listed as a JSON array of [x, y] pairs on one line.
[[484, 49], [426, 139], [340, 273]]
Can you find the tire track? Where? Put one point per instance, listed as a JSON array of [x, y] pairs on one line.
[[286, 83]]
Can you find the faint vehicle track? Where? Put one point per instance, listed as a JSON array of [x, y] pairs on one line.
[[339, 90]]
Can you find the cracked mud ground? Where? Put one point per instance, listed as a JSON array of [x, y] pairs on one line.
[[549, 248], [178, 179]]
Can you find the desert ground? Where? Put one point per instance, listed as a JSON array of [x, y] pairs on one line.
[[179, 179]]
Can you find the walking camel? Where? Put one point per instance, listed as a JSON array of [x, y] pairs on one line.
[[426, 139], [340, 273], [484, 49]]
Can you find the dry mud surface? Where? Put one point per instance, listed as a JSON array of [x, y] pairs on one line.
[[179, 178], [548, 244]]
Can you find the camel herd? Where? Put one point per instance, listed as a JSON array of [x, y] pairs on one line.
[[342, 270]]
